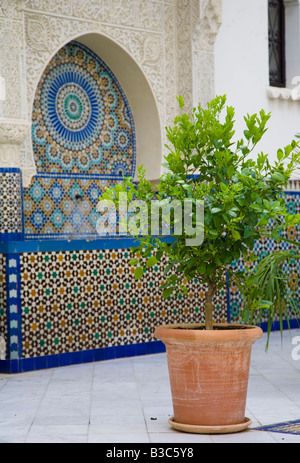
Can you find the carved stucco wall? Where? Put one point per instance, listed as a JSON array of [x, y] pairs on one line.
[[171, 41]]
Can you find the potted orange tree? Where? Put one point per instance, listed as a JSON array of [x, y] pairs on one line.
[[241, 201]]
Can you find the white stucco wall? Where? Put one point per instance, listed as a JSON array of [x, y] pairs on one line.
[[242, 73]]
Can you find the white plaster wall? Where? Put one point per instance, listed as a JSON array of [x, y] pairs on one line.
[[242, 73]]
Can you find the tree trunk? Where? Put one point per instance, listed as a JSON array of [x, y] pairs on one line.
[[209, 308]]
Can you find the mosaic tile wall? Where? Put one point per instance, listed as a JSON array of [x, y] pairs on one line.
[[63, 207], [74, 301], [263, 248], [83, 139], [11, 222]]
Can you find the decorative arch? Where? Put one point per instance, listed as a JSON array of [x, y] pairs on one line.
[[133, 76], [84, 135], [81, 119]]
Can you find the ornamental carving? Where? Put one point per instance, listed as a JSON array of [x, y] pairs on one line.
[[184, 52], [9, 155], [38, 34], [11, 9], [210, 22], [141, 14], [11, 69], [13, 132]]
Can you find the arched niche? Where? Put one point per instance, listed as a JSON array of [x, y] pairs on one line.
[[148, 128], [50, 205], [81, 120]]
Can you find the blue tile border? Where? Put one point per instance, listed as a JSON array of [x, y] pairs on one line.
[[79, 175], [22, 365], [71, 245], [13, 306], [10, 170], [294, 324], [294, 193], [11, 237], [63, 245]]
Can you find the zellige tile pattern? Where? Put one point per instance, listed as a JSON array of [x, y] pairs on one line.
[[74, 301]]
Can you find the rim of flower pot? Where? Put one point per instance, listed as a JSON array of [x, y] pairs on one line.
[[197, 331]]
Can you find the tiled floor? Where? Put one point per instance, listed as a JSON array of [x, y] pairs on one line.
[[128, 400]]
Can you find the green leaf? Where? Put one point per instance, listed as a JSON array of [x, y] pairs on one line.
[[151, 261], [279, 176], [230, 171], [138, 273], [246, 133], [213, 234], [248, 234], [276, 235], [167, 292], [236, 235], [245, 315], [180, 100], [192, 261], [202, 268], [264, 303], [218, 261], [217, 221], [210, 269], [133, 262], [215, 210], [232, 214], [224, 188], [279, 154], [173, 278], [119, 188], [159, 255], [256, 207]]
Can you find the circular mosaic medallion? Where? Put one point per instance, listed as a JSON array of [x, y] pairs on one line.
[[73, 107], [81, 118], [74, 111]]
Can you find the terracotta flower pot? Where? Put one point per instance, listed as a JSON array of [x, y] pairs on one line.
[[209, 373]]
